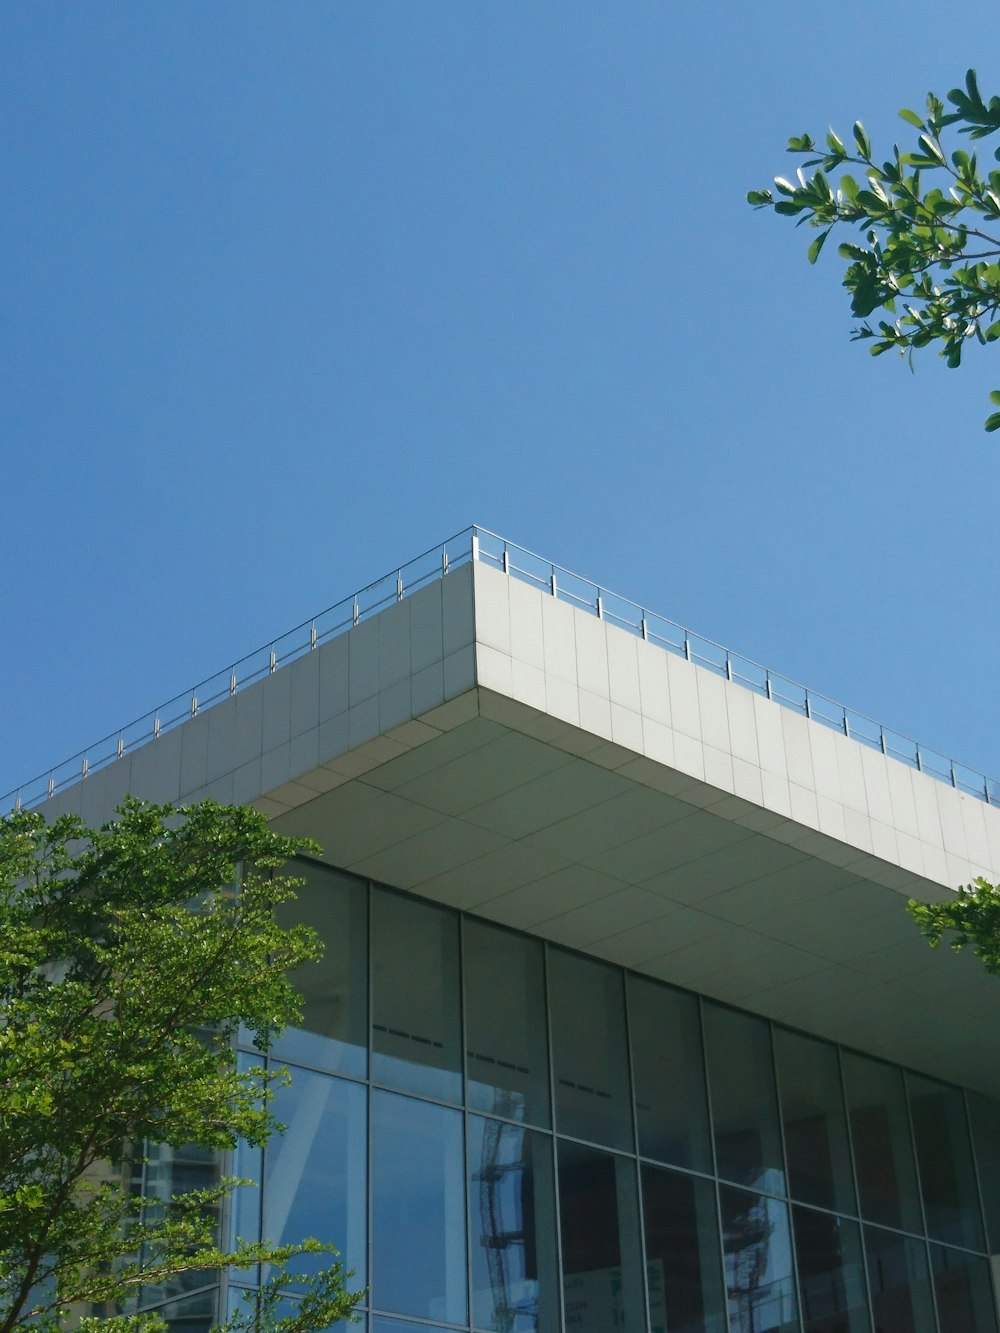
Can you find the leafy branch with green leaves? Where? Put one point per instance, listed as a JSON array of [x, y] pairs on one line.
[[129, 957], [929, 256], [971, 918]]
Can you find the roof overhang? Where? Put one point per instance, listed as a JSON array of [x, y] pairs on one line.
[[489, 746], [489, 806]]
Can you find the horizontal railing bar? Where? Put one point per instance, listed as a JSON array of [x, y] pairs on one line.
[[476, 543]]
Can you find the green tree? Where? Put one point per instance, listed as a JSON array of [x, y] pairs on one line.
[[929, 251], [972, 918], [129, 955]]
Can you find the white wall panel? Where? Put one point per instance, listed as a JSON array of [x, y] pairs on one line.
[[303, 689]]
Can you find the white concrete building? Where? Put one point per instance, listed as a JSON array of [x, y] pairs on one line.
[[485, 734]]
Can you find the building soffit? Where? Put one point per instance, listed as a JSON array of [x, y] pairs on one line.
[[569, 828]]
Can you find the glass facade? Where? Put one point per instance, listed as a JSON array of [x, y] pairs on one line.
[[505, 1136]]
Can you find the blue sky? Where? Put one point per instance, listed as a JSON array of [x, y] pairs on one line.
[[292, 291]]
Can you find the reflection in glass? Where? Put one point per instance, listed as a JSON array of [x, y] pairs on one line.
[[899, 1283], [384, 1324], [831, 1273], [167, 1172], [944, 1156], [241, 1301], [314, 1173], [415, 1000], [744, 1105], [507, 1051], [248, 1164], [512, 1228], [191, 1314], [599, 1219], [589, 1050], [880, 1130], [963, 1292], [333, 1034], [418, 1210], [984, 1113], [812, 1111], [683, 1264], [669, 1072], [760, 1286]]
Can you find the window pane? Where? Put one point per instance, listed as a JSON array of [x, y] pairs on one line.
[[383, 1324], [241, 1303], [683, 1263], [418, 1209], [512, 1229], [831, 1273], [744, 1105], [415, 1009], [758, 1263], [589, 1051], [985, 1115], [880, 1130], [812, 1110], [944, 1156], [192, 1314], [248, 1164], [508, 1059], [669, 1071], [900, 1287], [964, 1292], [315, 1173], [599, 1219], [333, 1034]]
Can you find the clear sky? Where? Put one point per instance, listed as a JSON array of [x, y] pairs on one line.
[[291, 291]]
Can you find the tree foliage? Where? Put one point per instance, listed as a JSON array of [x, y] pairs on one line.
[[929, 251], [128, 957], [971, 918]]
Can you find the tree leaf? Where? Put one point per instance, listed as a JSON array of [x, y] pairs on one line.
[[812, 254]]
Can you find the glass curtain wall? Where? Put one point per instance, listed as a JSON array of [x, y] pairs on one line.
[[504, 1136]]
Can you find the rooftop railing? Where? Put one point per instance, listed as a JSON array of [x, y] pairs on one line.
[[472, 544]]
